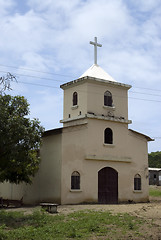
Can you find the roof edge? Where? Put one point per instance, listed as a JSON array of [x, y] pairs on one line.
[[154, 169], [143, 135], [93, 79], [54, 131]]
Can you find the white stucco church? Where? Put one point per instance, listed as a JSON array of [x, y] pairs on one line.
[[94, 157]]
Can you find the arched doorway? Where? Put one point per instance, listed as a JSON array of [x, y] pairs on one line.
[[107, 186]]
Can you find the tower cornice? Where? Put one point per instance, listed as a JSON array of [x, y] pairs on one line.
[[98, 117], [93, 80]]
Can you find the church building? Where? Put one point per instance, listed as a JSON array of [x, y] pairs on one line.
[[94, 157]]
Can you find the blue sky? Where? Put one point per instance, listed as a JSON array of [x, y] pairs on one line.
[[46, 43]]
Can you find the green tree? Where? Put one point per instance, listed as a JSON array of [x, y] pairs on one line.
[[154, 159], [5, 82], [20, 140]]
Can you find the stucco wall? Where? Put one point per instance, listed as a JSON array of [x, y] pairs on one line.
[[46, 183], [91, 99], [95, 102], [128, 156], [50, 170], [74, 111], [11, 191], [74, 142], [29, 193], [80, 147], [137, 149]]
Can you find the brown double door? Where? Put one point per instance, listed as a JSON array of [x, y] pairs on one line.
[[107, 186]]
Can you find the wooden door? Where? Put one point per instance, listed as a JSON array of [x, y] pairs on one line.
[[107, 186]]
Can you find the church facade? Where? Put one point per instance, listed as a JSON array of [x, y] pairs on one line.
[[94, 157]]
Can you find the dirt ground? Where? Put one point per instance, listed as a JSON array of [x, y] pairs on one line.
[[151, 212]]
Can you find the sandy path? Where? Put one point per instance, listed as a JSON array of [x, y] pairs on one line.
[[151, 210]]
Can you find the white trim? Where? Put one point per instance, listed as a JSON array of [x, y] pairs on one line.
[[154, 169], [109, 145], [109, 107], [74, 107], [99, 117], [80, 117], [113, 119], [93, 79], [108, 158], [75, 190]]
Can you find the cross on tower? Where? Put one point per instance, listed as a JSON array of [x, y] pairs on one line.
[[95, 48]]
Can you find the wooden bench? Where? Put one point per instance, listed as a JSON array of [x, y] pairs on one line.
[[11, 202], [1, 202], [50, 207]]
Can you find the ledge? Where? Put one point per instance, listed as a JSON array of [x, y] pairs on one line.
[[137, 191], [112, 119], [108, 158], [74, 107], [99, 117], [109, 108], [80, 117], [109, 145], [75, 190]]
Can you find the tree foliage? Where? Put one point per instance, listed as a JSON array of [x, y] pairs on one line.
[[155, 159], [20, 140], [5, 82]]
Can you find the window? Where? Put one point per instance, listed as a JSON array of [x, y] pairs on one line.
[[107, 99], [75, 99], [108, 136], [75, 180], [137, 182]]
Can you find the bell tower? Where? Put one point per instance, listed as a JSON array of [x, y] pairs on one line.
[[95, 94]]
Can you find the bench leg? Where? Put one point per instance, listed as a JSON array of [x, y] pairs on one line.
[[52, 209]]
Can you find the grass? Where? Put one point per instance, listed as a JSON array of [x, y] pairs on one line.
[[77, 225], [154, 192]]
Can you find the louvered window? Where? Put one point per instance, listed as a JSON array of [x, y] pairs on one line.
[[75, 180], [75, 99], [108, 136], [107, 99], [137, 182]]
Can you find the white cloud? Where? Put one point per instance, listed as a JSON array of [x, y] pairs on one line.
[[23, 33], [53, 5], [145, 6], [6, 6], [33, 59], [53, 36], [49, 102]]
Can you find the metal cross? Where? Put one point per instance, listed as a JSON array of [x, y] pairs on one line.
[[95, 48]]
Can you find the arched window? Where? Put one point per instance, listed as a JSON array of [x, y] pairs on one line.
[[75, 180], [75, 98], [107, 99], [108, 136], [137, 182]]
